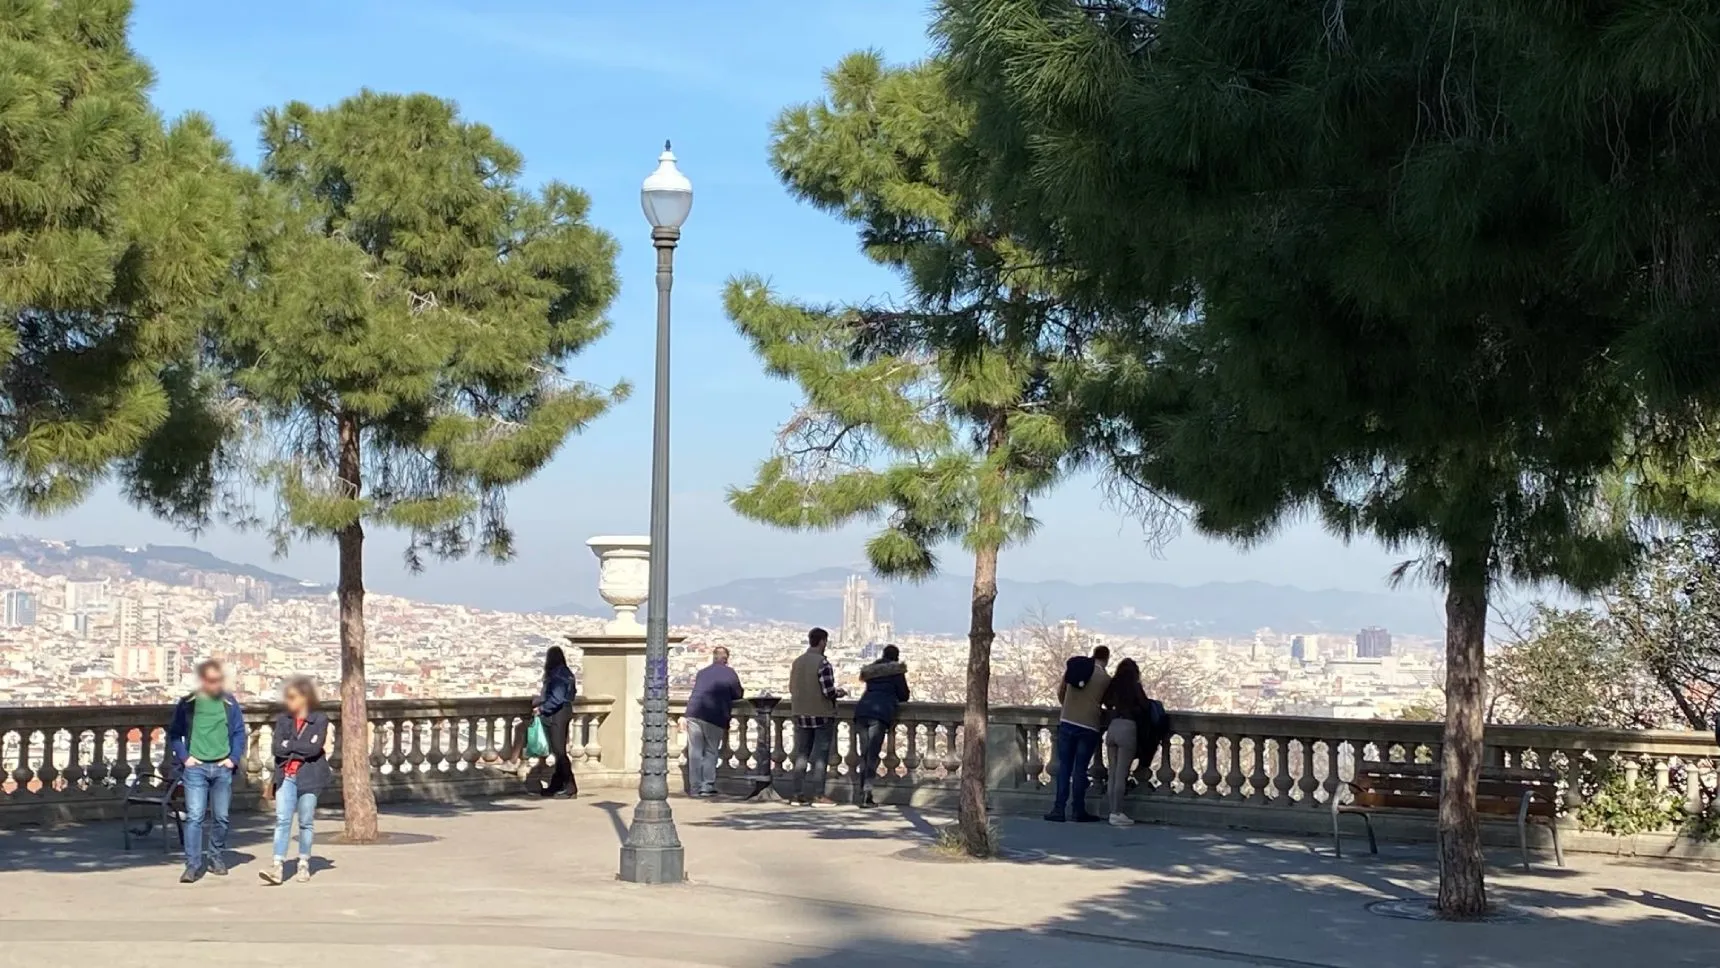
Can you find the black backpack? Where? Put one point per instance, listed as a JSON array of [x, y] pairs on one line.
[[1158, 729], [1078, 671]]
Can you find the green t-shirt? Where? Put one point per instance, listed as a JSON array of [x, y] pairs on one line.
[[209, 742]]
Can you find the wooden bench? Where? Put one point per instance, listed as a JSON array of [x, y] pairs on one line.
[[1501, 791]]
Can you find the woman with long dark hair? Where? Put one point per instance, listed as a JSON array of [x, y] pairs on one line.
[[555, 708], [1126, 704], [301, 772]]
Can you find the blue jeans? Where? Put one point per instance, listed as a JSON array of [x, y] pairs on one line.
[[289, 801], [208, 792], [1075, 749]]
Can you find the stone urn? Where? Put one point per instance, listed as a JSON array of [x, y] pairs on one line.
[[623, 578]]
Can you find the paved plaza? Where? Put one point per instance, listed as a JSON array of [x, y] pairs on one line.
[[528, 883]]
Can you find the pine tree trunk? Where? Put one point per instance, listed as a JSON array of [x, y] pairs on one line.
[[1462, 866], [975, 823], [359, 800]]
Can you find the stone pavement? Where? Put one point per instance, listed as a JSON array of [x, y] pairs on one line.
[[528, 883]]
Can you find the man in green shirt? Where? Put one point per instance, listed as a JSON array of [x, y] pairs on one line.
[[207, 740]]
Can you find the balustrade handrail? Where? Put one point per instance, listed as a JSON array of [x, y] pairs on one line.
[[41, 717], [1673, 742]]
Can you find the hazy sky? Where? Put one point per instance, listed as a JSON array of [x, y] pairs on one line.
[[588, 92]]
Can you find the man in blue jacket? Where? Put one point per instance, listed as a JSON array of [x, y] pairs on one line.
[[207, 742], [716, 688]]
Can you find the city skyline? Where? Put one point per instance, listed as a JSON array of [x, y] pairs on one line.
[[100, 631]]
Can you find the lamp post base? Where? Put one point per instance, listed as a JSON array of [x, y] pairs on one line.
[[653, 865]]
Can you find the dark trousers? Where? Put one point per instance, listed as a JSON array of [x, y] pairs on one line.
[[812, 755], [561, 774], [1075, 748], [871, 733]]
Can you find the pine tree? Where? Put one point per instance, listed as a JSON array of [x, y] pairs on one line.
[[1426, 263], [115, 232], [939, 417], [398, 340]]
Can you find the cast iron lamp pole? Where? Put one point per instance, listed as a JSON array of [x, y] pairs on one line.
[[653, 853]]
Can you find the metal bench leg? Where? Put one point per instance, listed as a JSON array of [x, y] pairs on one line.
[[1523, 829], [1337, 842], [1558, 852], [1373, 845], [125, 823]]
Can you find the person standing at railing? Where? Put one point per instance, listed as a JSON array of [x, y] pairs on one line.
[[1127, 707], [206, 738], [716, 688], [301, 772], [1081, 692], [812, 690], [555, 708], [886, 687]]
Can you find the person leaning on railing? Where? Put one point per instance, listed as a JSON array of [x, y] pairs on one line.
[[886, 687]]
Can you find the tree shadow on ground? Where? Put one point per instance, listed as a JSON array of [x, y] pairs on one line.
[[98, 845], [1195, 897]]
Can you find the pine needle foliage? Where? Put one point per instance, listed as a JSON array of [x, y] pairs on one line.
[[397, 340], [116, 231], [1434, 267], [939, 416]]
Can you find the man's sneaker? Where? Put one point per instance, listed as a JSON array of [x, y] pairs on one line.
[[217, 866], [867, 801], [1121, 820], [272, 875], [304, 872], [192, 875], [1055, 816], [823, 802], [1087, 818], [802, 801]]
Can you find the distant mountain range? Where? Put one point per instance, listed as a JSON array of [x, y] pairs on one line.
[[168, 564], [940, 606]]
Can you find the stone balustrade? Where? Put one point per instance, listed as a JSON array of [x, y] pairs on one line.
[[1274, 773], [77, 762]]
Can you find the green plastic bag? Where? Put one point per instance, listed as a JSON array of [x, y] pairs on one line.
[[537, 741]]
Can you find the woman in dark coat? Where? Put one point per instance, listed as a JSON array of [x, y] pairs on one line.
[[886, 687], [555, 708], [301, 772]]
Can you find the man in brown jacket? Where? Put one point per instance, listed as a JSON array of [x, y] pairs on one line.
[[1078, 733], [812, 694]]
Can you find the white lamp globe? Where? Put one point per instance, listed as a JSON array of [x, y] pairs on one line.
[[667, 195]]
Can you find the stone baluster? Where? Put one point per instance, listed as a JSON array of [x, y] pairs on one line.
[[1281, 779], [1662, 774], [1210, 776], [1693, 788], [1187, 774], [593, 737], [891, 757], [1308, 782], [1234, 778]]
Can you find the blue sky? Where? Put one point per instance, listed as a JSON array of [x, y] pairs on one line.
[[588, 92]]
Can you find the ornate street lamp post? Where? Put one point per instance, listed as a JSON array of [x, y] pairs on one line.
[[653, 852]]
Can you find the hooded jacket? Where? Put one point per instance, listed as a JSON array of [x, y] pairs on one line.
[[886, 688]]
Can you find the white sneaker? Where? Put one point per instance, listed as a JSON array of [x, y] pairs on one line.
[[1121, 820]]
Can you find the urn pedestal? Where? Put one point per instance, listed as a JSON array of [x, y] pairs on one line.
[[613, 662]]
